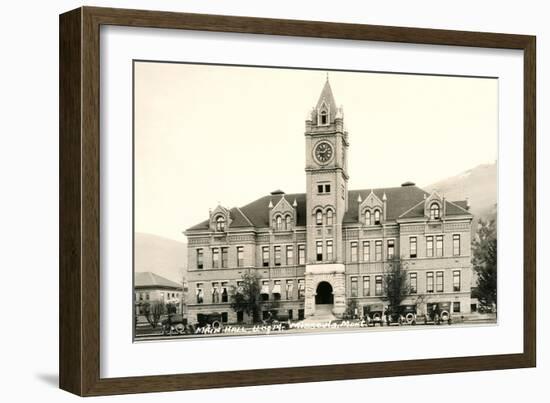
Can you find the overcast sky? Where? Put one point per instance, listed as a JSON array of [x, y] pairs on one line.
[[224, 134]]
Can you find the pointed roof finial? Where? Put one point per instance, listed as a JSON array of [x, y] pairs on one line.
[[384, 198], [295, 204], [359, 198], [327, 75], [270, 204]]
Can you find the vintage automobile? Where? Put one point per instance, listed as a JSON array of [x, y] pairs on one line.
[[437, 313], [374, 314], [408, 314], [404, 315], [209, 319], [176, 324], [280, 319]]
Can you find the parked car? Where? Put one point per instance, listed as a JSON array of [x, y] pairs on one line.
[[438, 313], [176, 324], [404, 315], [279, 319], [374, 314], [408, 314], [212, 319]]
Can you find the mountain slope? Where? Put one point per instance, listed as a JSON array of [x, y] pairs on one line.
[[478, 184], [162, 256]]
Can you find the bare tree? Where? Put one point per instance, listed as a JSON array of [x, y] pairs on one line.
[[153, 312]]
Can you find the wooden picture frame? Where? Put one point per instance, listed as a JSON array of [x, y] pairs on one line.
[[79, 346]]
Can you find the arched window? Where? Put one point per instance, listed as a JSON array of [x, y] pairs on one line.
[[376, 217], [278, 223], [288, 221], [220, 223], [330, 216], [324, 117], [368, 218], [319, 218], [435, 212]]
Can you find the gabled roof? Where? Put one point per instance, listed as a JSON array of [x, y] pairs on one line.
[[401, 202], [152, 280], [451, 209], [398, 200]]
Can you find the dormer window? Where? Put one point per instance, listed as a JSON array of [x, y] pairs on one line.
[[368, 218], [220, 224], [376, 217], [288, 221], [435, 211], [278, 223]]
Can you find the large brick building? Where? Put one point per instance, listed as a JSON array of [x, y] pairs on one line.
[[331, 245]]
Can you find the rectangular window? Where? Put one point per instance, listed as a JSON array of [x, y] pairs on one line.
[[215, 293], [289, 289], [215, 258], [277, 250], [301, 314], [378, 286], [224, 317], [329, 251], [456, 280], [290, 314], [224, 257], [276, 290], [378, 251], [439, 281], [366, 286], [319, 188], [301, 289], [240, 256], [456, 307], [354, 284], [439, 245], [412, 247], [240, 316], [200, 259], [429, 246], [265, 256], [413, 281], [430, 281], [319, 251], [301, 254], [366, 251], [456, 245], [289, 255], [327, 188], [225, 293], [199, 293], [391, 248], [353, 247]]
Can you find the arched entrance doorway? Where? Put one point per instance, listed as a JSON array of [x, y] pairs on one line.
[[324, 294]]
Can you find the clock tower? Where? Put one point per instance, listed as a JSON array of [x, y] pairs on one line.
[[326, 204]]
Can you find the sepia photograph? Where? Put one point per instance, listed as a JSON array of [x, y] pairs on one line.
[[272, 201]]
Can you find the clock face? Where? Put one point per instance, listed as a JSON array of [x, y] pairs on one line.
[[323, 152]]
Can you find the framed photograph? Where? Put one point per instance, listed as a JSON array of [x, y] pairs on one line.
[[266, 201]]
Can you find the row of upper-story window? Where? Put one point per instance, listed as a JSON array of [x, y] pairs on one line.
[[324, 251], [434, 248], [281, 256], [435, 282], [146, 296], [220, 291], [371, 218]]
